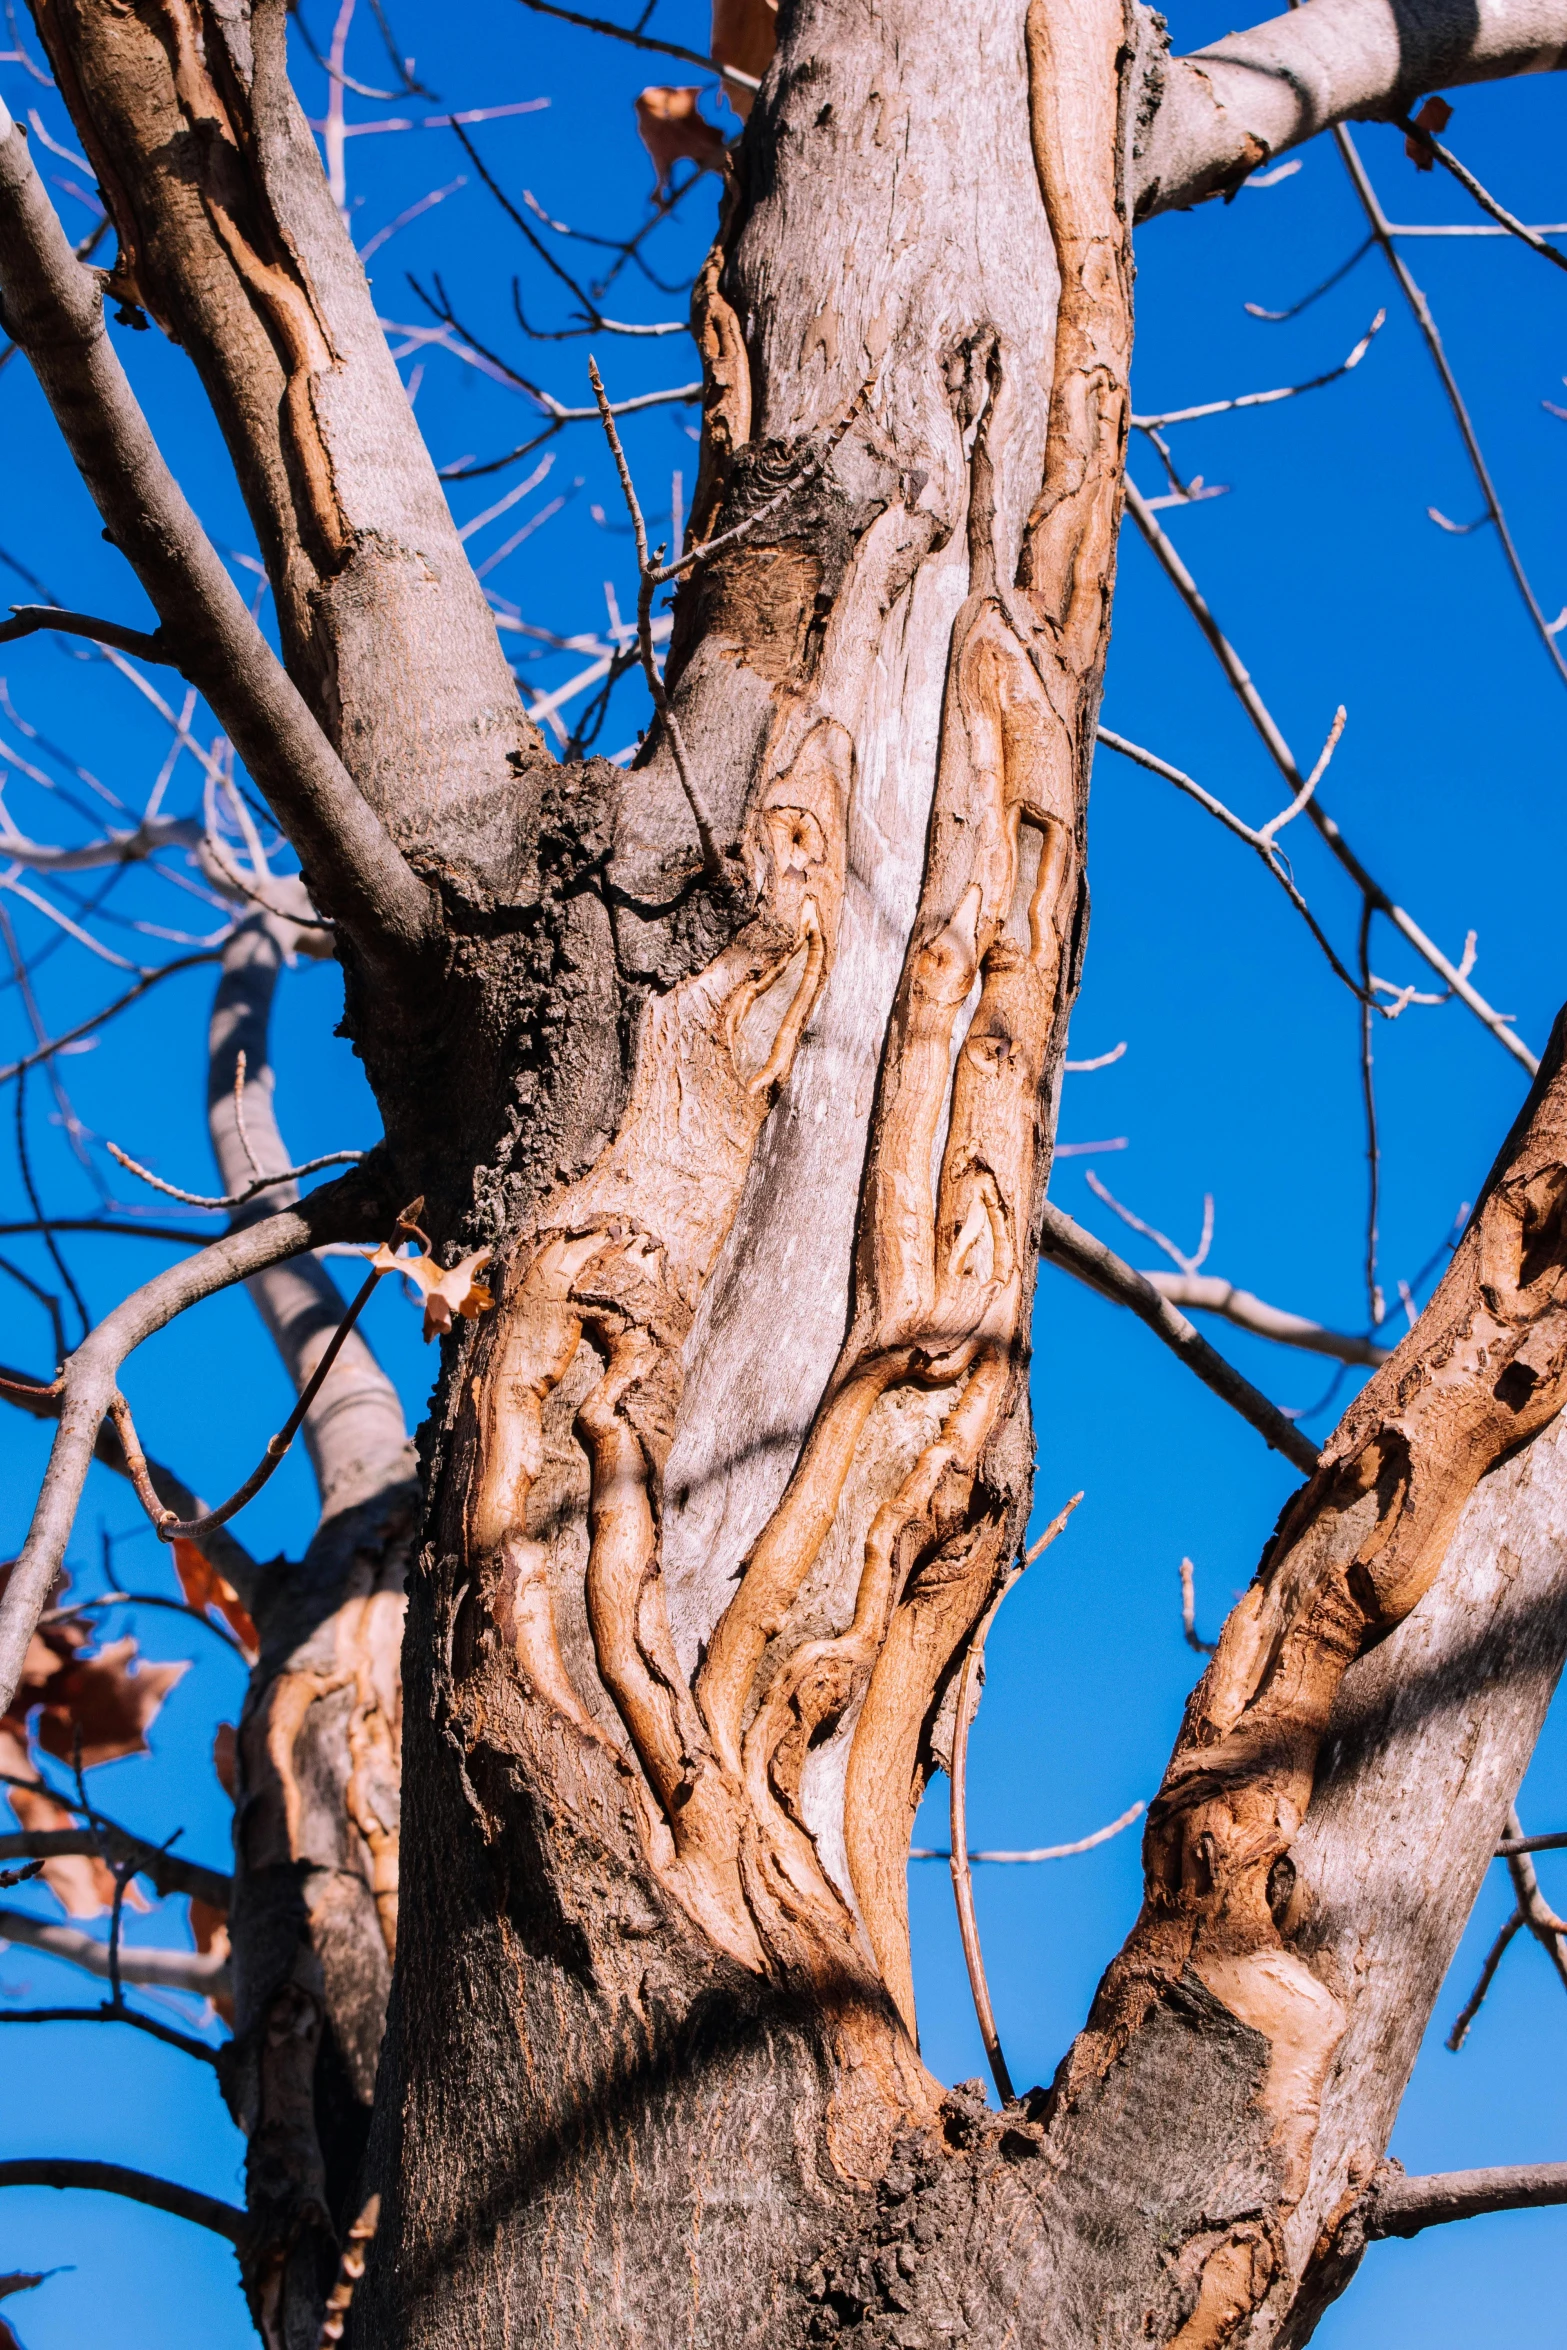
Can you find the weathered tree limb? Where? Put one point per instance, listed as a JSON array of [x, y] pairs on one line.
[[230, 238], [1332, 1803], [316, 1838], [338, 1211], [167, 1872], [1226, 110], [1400, 2206], [204, 1972], [1081, 1253], [113, 2178], [1210, 1293], [54, 308]]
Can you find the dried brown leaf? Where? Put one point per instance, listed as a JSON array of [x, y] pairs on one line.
[[19, 2281], [444, 1293], [673, 132], [205, 1589], [108, 1701], [745, 34], [79, 1881], [225, 1759], [210, 1932], [1434, 116]]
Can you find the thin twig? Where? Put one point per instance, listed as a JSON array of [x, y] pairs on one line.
[[28, 619], [1381, 230], [1253, 838], [170, 1526], [336, 1212], [1149, 424], [1547, 1928], [165, 1871], [1368, 1095], [971, 1680], [712, 858], [1482, 196], [1041, 1852], [1473, 2004], [1284, 759], [231, 1199], [108, 2013], [639, 40], [1194, 1639], [122, 1003]]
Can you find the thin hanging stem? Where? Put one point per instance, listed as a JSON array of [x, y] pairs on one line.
[[971, 1680]]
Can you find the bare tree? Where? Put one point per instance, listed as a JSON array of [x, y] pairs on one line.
[[725, 1088]]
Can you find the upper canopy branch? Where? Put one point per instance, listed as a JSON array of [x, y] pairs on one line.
[[54, 310], [1250, 96]]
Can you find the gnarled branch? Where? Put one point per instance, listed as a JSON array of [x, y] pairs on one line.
[[54, 309], [1400, 2206]]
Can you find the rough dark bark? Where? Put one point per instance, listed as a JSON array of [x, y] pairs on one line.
[[719, 1491]]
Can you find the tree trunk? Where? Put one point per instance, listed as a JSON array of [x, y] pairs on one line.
[[718, 1492]]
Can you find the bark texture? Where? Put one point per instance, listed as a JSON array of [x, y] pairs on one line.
[[718, 1492]]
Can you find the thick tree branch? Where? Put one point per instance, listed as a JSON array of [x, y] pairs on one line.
[[337, 1212], [1229, 108], [113, 2178], [1399, 2206], [1078, 1252], [205, 1972], [354, 1428], [165, 1871], [54, 309], [1210, 1293]]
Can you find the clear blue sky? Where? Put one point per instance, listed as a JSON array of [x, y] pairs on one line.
[[1239, 1076]]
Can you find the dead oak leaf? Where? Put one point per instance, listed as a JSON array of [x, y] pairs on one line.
[[1434, 116], [205, 1589], [445, 1294], [745, 34], [19, 2281], [79, 1881], [107, 1701], [673, 132]]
